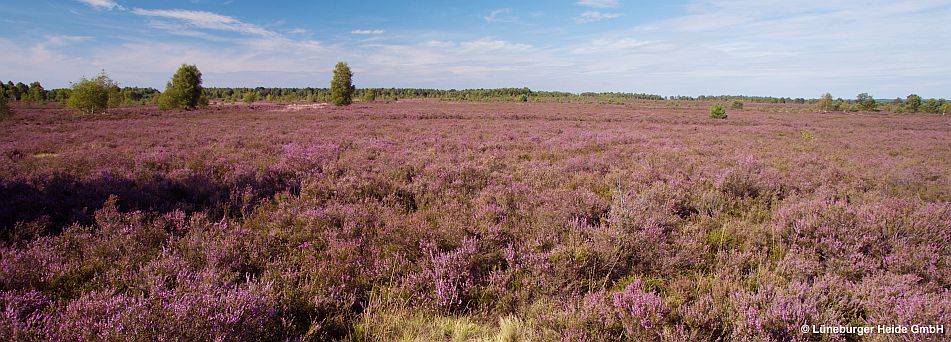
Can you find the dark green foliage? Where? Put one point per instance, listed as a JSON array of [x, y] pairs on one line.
[[913, 103], [5, 111], [523, 98], [184, 91], [369, 95], [341, 87], [866, 102], [90, 96], [37, 93], [932, 106], [717, 112], [737, 105]]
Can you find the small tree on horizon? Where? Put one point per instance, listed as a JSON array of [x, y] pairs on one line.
[[913, 103], [825, 103], [90, 96], [866, 102], [341, 86], [184, 91]]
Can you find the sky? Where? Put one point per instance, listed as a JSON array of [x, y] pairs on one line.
[[791, 48]]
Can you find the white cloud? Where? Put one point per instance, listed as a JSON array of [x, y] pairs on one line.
[[60, 40], [103, 4], [500, 15], [599, 3], [589, 16], [367, 32], [610, 45], [206, 20]]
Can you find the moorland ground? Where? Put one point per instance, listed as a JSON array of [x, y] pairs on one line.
[[448, 220]]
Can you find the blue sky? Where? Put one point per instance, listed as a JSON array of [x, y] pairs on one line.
[[688, 47]]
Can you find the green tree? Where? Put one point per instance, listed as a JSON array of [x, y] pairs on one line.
[[5, 111], [866, 102], [737, 105], [115, 96], [90, 96], [22, 91], [37, 93], [717, 112], [341, 86], [184, 91], [825, 103], [370, 95], [931, 106], [913, 103], [250, 97]]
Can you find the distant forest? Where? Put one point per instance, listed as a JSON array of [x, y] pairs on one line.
[[118, 96]]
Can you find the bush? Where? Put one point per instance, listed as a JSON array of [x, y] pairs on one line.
[[717, 112], [931, 106], [341, 87], [370, 95], [523, 98], [866, 102], [912, 103], [90, 96], [737, 105], [5, 111], [250, 97], [825, 103], [184, 90]]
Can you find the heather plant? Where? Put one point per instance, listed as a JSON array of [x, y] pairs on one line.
[[341, 86], [470, 221], [90, 96], [184, 91], [718, 112]]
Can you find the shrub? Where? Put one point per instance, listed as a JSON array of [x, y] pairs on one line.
[[737, 105], [370, 95], [184, 90], [250, 97], [341, 87], [825, 103], [931, 106], [912, 103], [523, 98], [90, 96], [717, 112], [4, 107], [866, 102]]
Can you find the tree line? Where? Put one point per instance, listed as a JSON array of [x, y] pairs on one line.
[[185, 91], [865, 102]]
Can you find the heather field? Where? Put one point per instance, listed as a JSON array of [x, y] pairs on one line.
[[422, 220]]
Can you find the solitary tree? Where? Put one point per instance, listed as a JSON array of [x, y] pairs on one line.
[[913, 103], [90, 96], [184, 90], [341, 86], [866, 102], [717, 112], [825, 103]]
